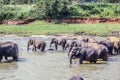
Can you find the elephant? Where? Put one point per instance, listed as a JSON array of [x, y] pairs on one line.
[[102, 50], [9, 49], [57, 42], [84, 53], [76, 78], [108, 44], [37, 44], [116, 43]]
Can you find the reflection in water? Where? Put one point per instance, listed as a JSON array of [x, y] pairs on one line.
[[54, 65]]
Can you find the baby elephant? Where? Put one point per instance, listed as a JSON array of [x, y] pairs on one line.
[[57, 42], [84, 53], [37, 44], [9, 49]]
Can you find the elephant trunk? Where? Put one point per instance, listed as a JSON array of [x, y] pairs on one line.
[[71, 57]]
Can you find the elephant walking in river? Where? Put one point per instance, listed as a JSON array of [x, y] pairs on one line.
[[37, 44]]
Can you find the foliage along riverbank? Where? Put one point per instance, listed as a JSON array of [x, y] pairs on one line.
[[59, 10], [44, 28]]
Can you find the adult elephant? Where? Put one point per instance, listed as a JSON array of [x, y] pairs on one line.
[[116, 43], [102, 50], [9, 49], [57, 42], [84, 53], [108, 44], [37, 44]]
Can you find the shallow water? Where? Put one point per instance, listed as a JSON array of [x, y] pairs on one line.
[[54, 65]]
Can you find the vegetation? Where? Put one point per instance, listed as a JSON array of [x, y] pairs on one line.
[[41, 27], [57, 9]]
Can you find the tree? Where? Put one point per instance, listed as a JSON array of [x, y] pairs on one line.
[[53, 9]]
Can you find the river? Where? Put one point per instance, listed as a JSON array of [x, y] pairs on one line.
[[54, 65]]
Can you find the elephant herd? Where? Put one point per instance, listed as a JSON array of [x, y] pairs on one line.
[[82, 48]]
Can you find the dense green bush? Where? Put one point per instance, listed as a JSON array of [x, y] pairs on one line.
[[58, 10]]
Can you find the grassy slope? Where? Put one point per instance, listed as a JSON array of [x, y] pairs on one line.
[[41, 27]]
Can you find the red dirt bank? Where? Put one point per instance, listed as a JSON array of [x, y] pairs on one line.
[[69, 21], [90, 20]]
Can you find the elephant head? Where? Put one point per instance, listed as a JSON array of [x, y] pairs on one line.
[[30, 42], [74, 53], [76, 78]]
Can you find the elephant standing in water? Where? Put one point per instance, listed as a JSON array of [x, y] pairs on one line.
[[57, 42], [84, 53], [9, 49], [108, 44], [116, 43], [37, 44]]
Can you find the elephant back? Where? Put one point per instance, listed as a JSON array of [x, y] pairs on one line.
[[37, 42], [113, 39]]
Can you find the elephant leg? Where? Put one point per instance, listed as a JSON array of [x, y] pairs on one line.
[[63, 46], [56, 46], [90, 61], [94, 61], [50, 44], [15, 58], [6, 58], [1, 57], [117, 51], [43, 47], [105, 58], [33, 49], [81, 59]]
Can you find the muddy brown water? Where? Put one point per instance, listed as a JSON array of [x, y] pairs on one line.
[[54, 65]]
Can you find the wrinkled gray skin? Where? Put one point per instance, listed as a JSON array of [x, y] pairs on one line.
[[57, 42], [84, 53], [37, 44], [76, 78], [9, 49], [102, 50], [109, 45]]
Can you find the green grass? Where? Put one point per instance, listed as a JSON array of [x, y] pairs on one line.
[[44, 28]]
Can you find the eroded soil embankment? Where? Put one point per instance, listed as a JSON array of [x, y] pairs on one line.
[[69, 21], [89, 20], [17, 22]]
